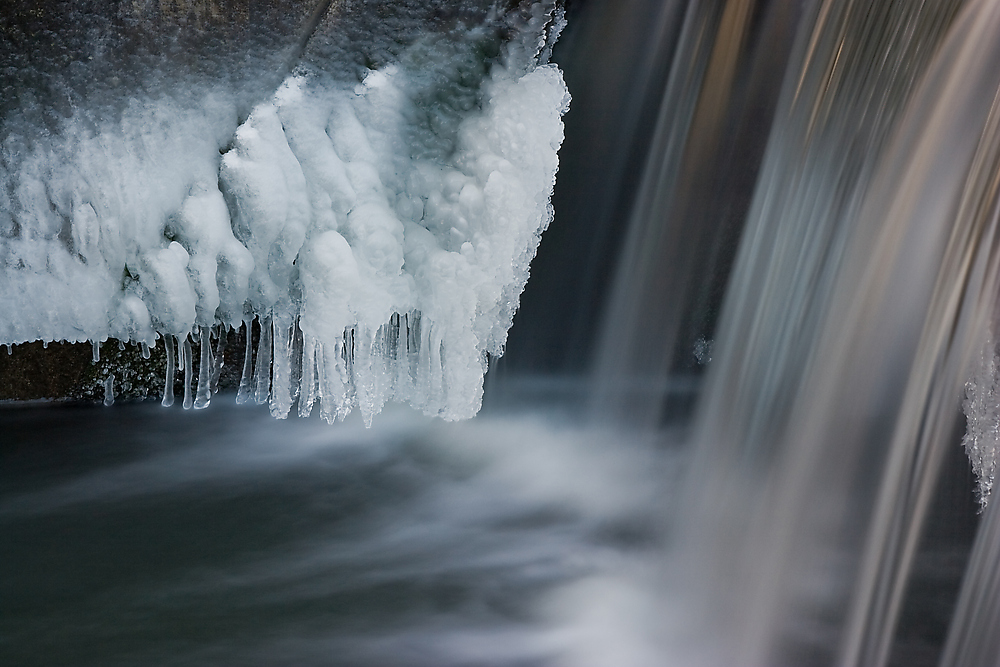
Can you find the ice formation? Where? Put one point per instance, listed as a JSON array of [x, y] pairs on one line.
[[982, 413], [379, 231]]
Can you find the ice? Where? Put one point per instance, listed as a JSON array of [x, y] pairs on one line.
[[188, 367], [982, 413], [262, 370], [168, 385], [109, 391], [203, 396], [218, 359], [246, 379], [379, 231]]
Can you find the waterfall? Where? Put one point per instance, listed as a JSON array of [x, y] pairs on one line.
[[860, 293]]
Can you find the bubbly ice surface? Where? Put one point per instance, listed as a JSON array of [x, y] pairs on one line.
[[982, 413], [380, 230]]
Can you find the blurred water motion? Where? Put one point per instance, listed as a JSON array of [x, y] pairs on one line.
[[132, 536]]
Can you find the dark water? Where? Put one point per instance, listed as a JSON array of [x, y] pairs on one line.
[[140, 535]]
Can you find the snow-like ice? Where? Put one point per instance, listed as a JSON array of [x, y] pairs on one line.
[[380, 232], [982, 414]]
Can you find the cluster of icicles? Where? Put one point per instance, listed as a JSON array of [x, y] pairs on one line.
[[359, 370]]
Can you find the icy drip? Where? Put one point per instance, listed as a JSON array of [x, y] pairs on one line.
[[188, 368], [204, 394], [218, 360], [109, 391], [168, 385], [262, 372], [281, 367], [246, 379], [308, 390]]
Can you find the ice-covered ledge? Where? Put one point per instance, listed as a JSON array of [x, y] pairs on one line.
[[380, 231]]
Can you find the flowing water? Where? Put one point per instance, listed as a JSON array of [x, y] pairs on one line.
[[135, 536], [728, 426]]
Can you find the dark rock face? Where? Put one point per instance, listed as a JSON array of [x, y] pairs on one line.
[[67, 371], [32, 371]]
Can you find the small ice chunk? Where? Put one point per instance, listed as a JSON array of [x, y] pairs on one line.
[[188, 372], [168, 385], [982, 414], [246, 380], [204, 394], [109, 391]]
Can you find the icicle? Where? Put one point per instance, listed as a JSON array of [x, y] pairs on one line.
[[188, 372], [220, 351], [45, 344], [263, 370], [168, 387], [404, 375], [363, 375], [145, 350], [324, 411], [307, 385], [281, 399], [109, 391], [121, 346], [10, 349], [246, 380], [331, 371], [295, 343], [436, 368], [97, 351], [204, 394]]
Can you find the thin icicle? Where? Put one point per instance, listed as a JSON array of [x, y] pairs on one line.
[[335, 401], [168, 385], [220, 351], [295, 344], [246, 379], [262, 381], [96, 356], [281, 399], [109, 391], [145, 350], [433, 352], [204, 394], [188, 372], [307, 383], [362, 375]]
